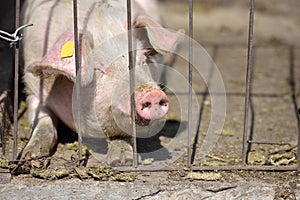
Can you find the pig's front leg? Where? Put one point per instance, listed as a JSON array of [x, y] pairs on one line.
[[120, 153], [43, 131]]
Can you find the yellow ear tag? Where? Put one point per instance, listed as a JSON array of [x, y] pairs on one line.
[[67, 50]]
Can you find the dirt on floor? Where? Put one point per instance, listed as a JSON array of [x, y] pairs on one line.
[[221, 30]]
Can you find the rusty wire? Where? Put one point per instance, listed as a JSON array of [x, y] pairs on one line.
[[15, 37], [211, 168], [191, 35], [248, 82], [131, 59], [78, 77], [16, 83]]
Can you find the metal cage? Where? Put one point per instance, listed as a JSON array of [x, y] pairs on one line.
[[248, 108]]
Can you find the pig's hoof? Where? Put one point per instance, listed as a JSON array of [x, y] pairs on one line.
[[40, 144], [33, 152], [35, 157], [120, 153]]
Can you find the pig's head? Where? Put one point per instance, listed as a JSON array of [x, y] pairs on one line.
[[151, 102], [105, 73]]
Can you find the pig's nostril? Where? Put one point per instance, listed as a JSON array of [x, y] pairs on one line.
[[145, 105], [163, 102]]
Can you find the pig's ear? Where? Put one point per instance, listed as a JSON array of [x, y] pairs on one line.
[[60, 59], [152, 33]]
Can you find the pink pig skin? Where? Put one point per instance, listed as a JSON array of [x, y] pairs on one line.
[[49, 79]]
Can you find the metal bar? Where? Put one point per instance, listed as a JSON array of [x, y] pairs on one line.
[[241, 44], [191, 29], [132, 82], [78, 77], [212, 168], [16, 83], [231, 94], [248, 82], [267, 143]]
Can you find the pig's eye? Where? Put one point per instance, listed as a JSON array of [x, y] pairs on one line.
[[146, 105]]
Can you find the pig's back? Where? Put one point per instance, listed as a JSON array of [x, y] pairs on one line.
[[50, 19]]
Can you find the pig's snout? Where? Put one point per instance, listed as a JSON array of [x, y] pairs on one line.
[[152, 105]]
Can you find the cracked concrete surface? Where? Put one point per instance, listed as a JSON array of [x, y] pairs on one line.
[[157, 185], [76, 189]]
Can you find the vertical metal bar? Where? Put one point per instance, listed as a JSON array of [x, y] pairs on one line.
[[78, 77], [16, 83], [191, 29], [132, 82], [248, 81]]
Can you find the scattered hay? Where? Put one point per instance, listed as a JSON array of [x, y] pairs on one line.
[[214, 163], [75, 147], [51, 174], [101, 173], [124, 177], [256, 158], [285, 158], [5, 164], [224, 132], [204, 176], [105, 173]]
